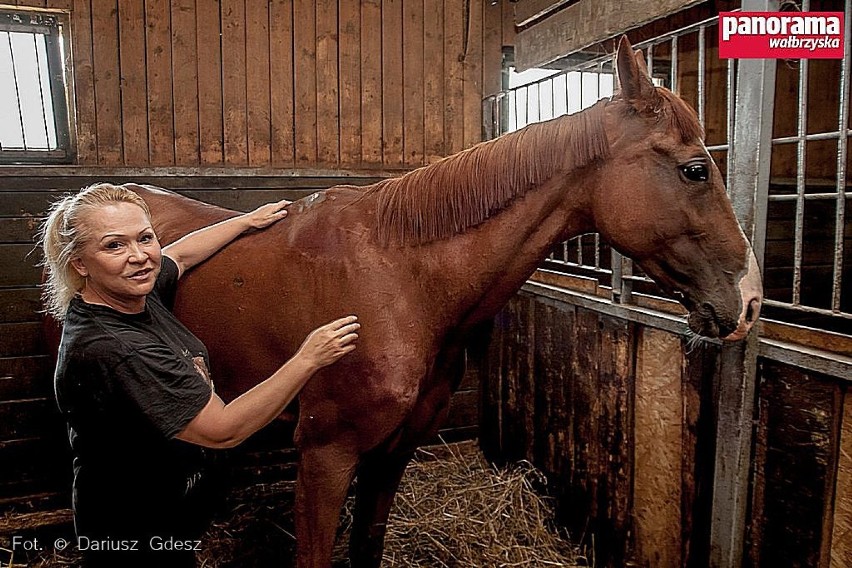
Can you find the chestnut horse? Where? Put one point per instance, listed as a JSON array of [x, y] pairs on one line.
[[423, 258]]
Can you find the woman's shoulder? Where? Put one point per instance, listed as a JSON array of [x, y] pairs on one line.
[[95, 330]]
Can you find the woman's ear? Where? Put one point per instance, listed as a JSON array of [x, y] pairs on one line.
[[78, 265]]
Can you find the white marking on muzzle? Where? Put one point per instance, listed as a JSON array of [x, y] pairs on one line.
[[751, 292]]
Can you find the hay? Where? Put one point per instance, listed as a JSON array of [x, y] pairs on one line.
[[452, 510], [456, 510]]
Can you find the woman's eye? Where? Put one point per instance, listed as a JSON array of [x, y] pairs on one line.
[[147, 238], [695, 172], [113, 245]]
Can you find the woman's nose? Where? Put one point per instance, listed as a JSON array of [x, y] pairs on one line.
[[138, 253]]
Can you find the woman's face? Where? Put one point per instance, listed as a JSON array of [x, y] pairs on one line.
[[121, 258]]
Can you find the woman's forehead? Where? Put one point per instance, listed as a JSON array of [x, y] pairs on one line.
[[120, 218]]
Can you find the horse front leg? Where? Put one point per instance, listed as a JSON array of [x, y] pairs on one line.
[[379, 475], [324, 476]]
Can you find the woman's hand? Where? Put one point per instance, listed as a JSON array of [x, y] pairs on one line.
[[330, 342], [266, 215]]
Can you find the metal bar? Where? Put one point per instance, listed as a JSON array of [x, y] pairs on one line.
[[702, 64], [807, 309], [799, 222], [748, 167], [718, 148], [674, 82], [730, 102], [649, 60], [838, 366], [842, 149], [816, 136], [41, 93], [17, 91], [579, 241], [807, 197]]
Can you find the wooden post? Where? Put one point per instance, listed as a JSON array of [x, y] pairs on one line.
[[749, 160]]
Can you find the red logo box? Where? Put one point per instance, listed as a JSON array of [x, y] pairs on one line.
[[781, 35]]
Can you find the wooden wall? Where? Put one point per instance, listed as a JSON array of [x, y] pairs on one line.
[[620, 417], [388, 84]]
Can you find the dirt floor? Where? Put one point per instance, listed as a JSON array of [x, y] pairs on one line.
[[452, 510]]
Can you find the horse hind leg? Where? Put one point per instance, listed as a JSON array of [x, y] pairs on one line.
[[378, 478], [324, 476]]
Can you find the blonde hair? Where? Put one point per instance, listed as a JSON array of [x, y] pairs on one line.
[[64, 233]]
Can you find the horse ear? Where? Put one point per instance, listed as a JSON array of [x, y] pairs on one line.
[[633, 76]]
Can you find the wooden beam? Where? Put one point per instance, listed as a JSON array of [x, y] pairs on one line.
[[585, 23]]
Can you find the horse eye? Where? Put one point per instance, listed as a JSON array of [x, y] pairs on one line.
[[695, 172]]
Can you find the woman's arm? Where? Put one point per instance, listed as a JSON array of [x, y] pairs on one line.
[[199, 245], [221, 425]]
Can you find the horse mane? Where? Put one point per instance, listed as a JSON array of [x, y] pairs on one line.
[[463, 190]]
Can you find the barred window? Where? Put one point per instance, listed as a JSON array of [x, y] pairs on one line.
[[33, 88]]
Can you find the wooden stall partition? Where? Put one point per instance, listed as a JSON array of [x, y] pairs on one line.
[[287, 83], [619, 417]]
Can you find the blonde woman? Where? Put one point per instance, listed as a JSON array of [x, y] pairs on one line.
[[133, 383]]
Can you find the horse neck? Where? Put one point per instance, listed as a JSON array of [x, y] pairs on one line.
[[475, 271]]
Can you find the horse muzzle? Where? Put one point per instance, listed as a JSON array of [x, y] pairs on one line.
[[751, 292], [706, 319]]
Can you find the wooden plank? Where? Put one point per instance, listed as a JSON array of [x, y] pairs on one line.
[[328, 98], [371, 82], [32, 418], [107, 82], [21, 339], [17, 266], [492, 49], [464, 410], [350, 83], [134, 102], [281, 77], [14, 388], [453, 76], [25, 203], [796, 448], [587, 456], [615, 381], [841, 541], [584, 23], [392, 87], [433, 80], [532, 10], [412, 93], [491, 399], [19, 305], [517, 428], [701, 373], [158, 43], [553, 352], [305, 81], [258, 83], [210, 115], [84, 83], [234, 81], [508, 31], [18, 229], [35, 460], [658, 449], [185, 69], [30, 369], [473, 78]]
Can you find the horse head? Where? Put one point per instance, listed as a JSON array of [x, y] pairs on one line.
[[668, 209]]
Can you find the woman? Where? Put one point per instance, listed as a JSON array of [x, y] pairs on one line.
[[132, 381]]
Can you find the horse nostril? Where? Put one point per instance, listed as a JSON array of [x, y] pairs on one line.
[[752, 311]]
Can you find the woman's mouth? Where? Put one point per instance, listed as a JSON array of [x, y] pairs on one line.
[[141, 274]]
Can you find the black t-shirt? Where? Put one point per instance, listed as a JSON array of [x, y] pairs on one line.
[[127, 384]]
